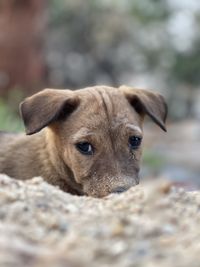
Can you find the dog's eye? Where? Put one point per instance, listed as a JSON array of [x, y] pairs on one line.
[[134, 142], [85, 148]]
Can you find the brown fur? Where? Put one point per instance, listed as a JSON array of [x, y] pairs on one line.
[[56, 120]]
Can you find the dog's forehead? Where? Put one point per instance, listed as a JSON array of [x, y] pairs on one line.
[[100, 106], [104, 98]]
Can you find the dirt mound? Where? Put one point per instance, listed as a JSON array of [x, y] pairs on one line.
[[149, 225]]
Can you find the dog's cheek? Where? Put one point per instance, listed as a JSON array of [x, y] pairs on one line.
[[136, 157], [78, 164]]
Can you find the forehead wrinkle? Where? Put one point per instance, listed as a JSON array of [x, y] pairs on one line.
[[133, 127], [107, 97], [107, 105], [106, 102], [83, 132], [124, 122], [95, 94]]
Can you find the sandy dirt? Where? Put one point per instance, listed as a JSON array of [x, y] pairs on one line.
[[150, 225]]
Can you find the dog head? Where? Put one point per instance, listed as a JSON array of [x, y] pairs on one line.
[[97, 132]]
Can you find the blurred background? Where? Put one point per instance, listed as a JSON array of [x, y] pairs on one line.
[[153, 44]]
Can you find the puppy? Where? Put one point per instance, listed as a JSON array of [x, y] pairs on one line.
[[87, 142]]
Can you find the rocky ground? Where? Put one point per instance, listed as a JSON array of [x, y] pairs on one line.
[[150, 225]]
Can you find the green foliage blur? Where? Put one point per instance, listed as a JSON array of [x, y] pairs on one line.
[[9, 120], [151, 44], [9, 111], [153, 161]]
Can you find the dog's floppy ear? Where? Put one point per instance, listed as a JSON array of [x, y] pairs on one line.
[[45, 107], [147, 102]]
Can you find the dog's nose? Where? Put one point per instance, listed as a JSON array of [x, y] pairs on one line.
[[119, 190]]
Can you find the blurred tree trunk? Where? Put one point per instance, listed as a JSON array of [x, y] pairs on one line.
[[22, 25]]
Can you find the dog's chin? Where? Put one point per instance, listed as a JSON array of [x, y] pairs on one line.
[[91, 191], [95, 194]]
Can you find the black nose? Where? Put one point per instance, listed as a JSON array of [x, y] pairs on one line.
[[119, 190]]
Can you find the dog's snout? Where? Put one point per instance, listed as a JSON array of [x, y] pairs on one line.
[[119, 190]]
